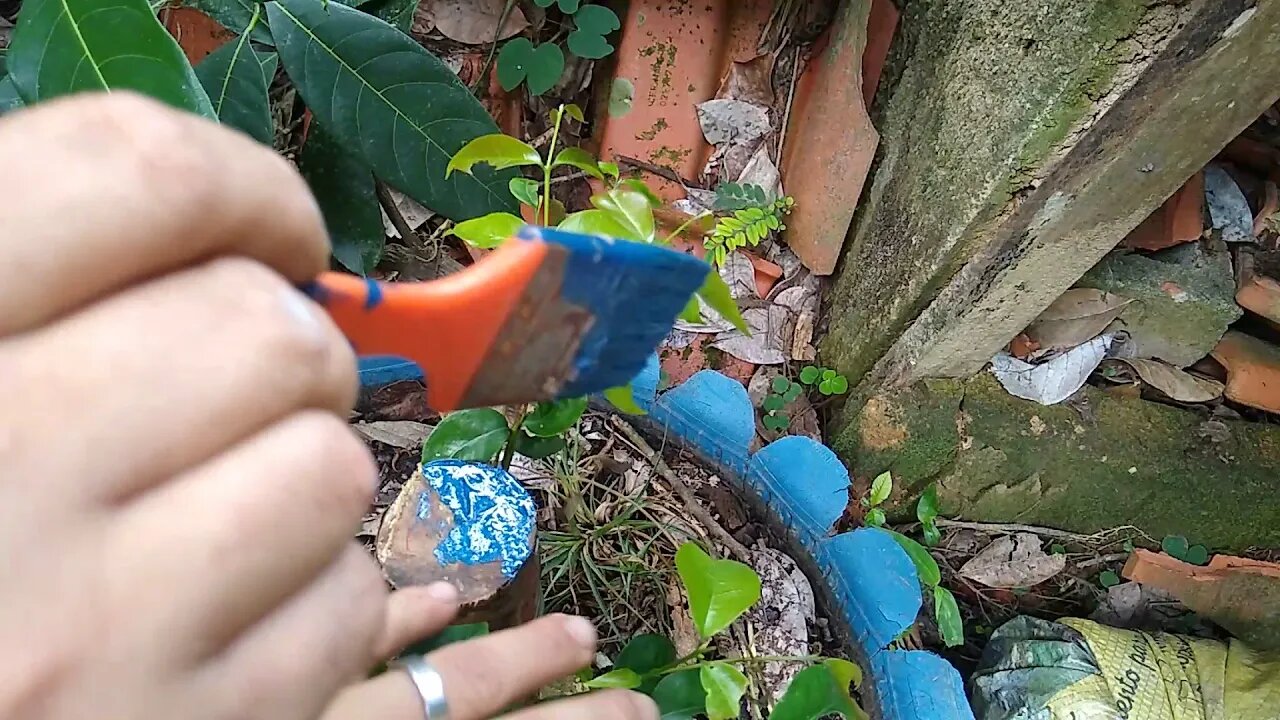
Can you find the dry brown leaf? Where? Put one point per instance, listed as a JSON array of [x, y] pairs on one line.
[[1013, 561], [473, 22], [1177, 384], [750, 81], [404, 434], [781, 618], [1076, 317]]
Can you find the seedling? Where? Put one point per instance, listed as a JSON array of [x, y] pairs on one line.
[[1178, 547], [881, 489], [1108, 579], [927, 514], [540, 66], [827, 381], [782, 391], [748, 225]]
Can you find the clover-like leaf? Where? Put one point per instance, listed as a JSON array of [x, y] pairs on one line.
[[72, 46], [589, 45], [725, 686], [477, 434], [947, 613], [489, 231], [552, 418], [793, 393], [810, 374], [828, 374], [397, 106], [881, 488], [1108, 578], [776, 423], [1176, 546], [596, 19], [540, 66], [780, 384], [498, 150], [1196, 555], [720, 591], [773, 403]]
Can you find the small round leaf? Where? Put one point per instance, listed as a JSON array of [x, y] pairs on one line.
[[1175, 545], [476, 434], [1197, 555], [781, 384], [549, 419], [773, 403], [875, 517], [597, 19], [1108, 578], [589, 45], [809, 374]]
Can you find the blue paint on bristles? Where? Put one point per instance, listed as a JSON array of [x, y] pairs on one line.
[[634, 290]]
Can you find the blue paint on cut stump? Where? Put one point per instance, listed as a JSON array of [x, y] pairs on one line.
[[634, 292], [373, 295], [493, 515], [713, 413]]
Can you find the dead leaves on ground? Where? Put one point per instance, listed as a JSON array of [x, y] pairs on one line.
[[1013, 561]]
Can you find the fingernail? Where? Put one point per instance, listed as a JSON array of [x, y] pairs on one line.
[[581, 630], [305, 312], [443, 592], [645, 706]]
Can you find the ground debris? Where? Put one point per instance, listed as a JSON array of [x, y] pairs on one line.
[[1013, 561]]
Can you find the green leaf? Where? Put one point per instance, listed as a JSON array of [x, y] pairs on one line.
[[71, 46], [609, 169], [521, 61], [393, 103], [489, 231], [597, 19], [875, 518], [1108, 578], [781, 384], [680, 696], [477, 434], [932, 535], [594, 222], [544, 3], [773, 403], [646, 653], [725, 686], [1175, 545], [448, 636], [839, 385], [581, 159], [632, 207], [344, 188], [720, 591], [847, 674], [692, 312], [947, 613], [809, 374], [396, 12], [234, 15], [526, 191], [10, 100], [549, 419], [793, 393], [881, 488], [574, 112], [624, 678], [926, 566], [234, 77], [776, 423], [828, 374], [716, 294], [538, 448], [588, 44], [569, 6], [817, 692], [1058, 549], [733, 196], [624, 399], [497, 150], [927, 506], [1197, 555]]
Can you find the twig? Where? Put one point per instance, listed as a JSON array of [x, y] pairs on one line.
[[566, 178], [658, 170], [493, 48], [791, 98], [682, 489], [1102, 560], [1006, 528], [407, 234]]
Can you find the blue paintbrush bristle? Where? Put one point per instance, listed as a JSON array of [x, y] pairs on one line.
[[635, 292]]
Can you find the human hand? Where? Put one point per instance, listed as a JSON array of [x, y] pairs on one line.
[[178, 486]]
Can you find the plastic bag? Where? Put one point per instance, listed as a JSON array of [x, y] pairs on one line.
[[1079, 670]]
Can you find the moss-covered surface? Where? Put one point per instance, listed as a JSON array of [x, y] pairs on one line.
[[1000, 459], [978, 93]]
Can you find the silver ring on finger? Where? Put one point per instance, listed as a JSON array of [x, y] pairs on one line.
[[430, 686]]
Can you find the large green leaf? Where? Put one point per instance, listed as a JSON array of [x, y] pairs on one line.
[[594, 222], [646, 654], [720, 591], [498, 150], [680, 696], [624, 399], [396, 105], [620, 678], [344, 188], [62, 47], [631, 203], [467, 435], [235, 78], [234, 15], [549, 419], [488, 231], [947, 613], [10, 100], [926, 566], [725, 686], [716, 294], [816, 692]]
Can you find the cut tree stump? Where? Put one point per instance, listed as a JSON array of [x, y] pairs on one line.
[[473, 526]]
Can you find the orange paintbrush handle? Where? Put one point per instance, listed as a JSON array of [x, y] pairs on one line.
[[447, 326]]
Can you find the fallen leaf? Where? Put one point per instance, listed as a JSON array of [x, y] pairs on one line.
[[473, 22], [411, 210], [1177, 384], [1078, 316], [1229, 210], [750, 81], [1013, 561], [404, 434], [1054, 381], [781, 618], [735, 122], [761, 171], [766, 345]]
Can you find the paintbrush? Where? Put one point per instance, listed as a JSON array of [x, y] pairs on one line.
[[548, 315]]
